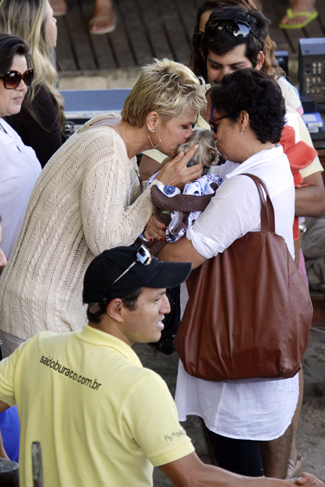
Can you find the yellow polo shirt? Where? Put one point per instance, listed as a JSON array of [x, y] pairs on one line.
[[102, 419]]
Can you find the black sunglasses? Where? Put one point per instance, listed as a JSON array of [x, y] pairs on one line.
[[12, 79], [213, 122], [237, 28]]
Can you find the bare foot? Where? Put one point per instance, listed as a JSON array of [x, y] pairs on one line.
[[103, 20]]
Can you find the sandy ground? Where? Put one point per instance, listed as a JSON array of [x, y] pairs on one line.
[[311, 431]]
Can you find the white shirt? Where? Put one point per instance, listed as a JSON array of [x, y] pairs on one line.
[[19, 170], [254, 410]]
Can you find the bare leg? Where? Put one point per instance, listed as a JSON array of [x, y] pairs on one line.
[[275, 455], [103, 20], [295, 420], [296, 7]]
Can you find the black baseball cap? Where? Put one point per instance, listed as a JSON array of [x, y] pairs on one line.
[[118, 272]]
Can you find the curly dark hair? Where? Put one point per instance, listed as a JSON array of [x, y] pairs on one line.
[[221, 42], [257, 94]]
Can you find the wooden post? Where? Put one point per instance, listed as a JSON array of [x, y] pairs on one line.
[[37, 464]]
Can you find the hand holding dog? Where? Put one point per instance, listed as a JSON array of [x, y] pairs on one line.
[[155, 229], [176, 173]]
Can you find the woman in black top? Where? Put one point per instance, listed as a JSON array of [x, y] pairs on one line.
[[41, 120]]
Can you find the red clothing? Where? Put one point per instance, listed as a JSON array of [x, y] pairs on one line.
[[300, 155]]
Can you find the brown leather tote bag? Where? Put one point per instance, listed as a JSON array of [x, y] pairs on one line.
[[249, 311]]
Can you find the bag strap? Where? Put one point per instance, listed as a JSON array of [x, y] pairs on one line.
[[267, 210]]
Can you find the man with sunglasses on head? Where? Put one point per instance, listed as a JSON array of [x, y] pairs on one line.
[[103, 419]]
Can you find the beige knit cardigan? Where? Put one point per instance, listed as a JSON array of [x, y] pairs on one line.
[[87, 199]]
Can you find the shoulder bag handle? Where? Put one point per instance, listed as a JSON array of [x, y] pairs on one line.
[[267, 210]]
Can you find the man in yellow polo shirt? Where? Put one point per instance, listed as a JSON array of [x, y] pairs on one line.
[[102, 419]]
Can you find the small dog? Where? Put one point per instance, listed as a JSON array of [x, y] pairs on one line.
[[167, 206], [207, 153]]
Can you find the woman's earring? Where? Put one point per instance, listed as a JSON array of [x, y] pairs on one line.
[[151, 143]]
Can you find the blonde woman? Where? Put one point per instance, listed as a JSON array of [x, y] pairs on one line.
[[40, 122], [88, 199]]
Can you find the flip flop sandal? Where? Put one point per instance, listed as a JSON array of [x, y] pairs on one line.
[[310, 16], [95, 24], [293, 468]]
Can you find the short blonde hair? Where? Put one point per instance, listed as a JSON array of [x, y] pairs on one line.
[[169, 88]]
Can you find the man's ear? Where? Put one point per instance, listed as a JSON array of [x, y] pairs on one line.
[[260, 61], [114, 309], [152, 120]]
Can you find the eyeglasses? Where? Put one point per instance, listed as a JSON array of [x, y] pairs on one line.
[[12, 79], [237, 28], [143, 256], [213, 122]]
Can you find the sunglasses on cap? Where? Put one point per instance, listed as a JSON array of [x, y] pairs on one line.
[[12, 79], [143, 256], [237, 28]]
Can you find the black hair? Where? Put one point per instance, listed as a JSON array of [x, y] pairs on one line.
[[257, 94], [221, 42], [10, 46], [130, 302]]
